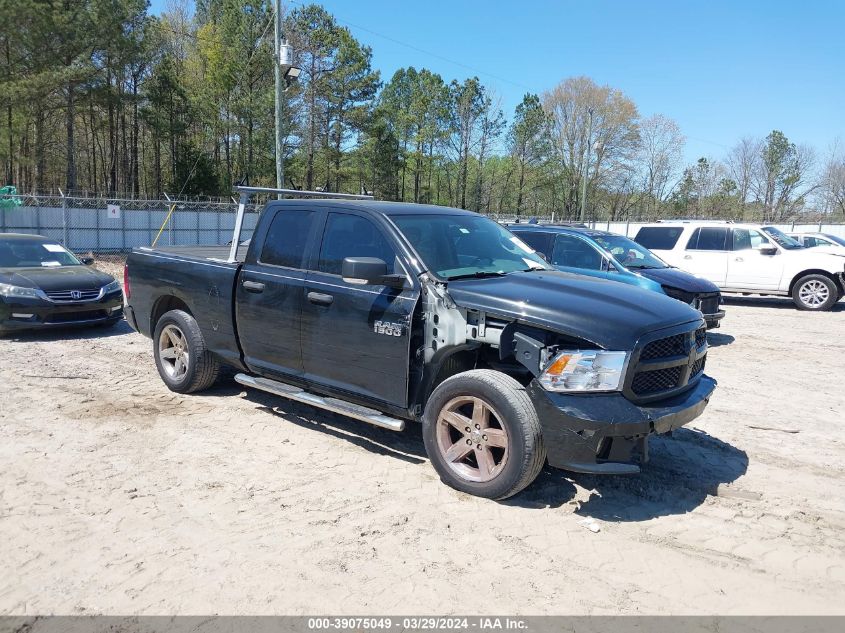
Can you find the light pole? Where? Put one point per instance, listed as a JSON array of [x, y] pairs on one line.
[[280, 158], [586, 166], [284, 70]]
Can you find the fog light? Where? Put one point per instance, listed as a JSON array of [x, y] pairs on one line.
[[21, 315], [116, 309]]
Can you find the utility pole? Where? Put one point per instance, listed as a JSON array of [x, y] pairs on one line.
[[586, 167], [277, 68]]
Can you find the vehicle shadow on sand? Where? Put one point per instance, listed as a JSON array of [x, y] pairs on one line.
[[782, 303], [717, 340], [78, 333], [406, 446], [683, 471]]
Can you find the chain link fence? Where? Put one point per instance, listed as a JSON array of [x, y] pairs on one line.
[[115, 225], [105, 226]]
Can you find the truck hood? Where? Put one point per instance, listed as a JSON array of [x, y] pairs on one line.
[[608, 314], [56, 278], [677, 278]]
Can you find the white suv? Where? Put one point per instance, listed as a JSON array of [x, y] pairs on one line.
[[749, 259]]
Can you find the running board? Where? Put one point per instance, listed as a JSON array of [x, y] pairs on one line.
[[334, 405]]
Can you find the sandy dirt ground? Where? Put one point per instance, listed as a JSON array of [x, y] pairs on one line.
[[120, 497]]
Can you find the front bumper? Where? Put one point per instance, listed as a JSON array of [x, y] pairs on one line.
[[607, 433], [24, 313], [713, 320]]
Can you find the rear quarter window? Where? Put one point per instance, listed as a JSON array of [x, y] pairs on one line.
[[659, 238], [538, 240]]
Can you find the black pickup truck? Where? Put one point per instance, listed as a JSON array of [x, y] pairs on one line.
[[392, 312]]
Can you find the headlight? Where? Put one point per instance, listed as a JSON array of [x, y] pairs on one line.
[[8, 290], [111, 287], [587, 370]]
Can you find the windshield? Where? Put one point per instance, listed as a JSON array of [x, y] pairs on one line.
[[455, 246], [628, 253], [782, 238], [835, 238], [30, 253]]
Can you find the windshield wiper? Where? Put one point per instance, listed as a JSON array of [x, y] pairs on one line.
[[641, 267], [479, 274]]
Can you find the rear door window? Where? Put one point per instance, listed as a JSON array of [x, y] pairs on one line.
[[659, 238], [287, 238], [708, 239]]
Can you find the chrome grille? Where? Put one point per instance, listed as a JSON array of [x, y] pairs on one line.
[[700, 337], [73, 295]]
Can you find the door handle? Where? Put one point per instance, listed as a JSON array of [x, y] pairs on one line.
[[253, 286], [739, 259], [320, 299], [687, 256]]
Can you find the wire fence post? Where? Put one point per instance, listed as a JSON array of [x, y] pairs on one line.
[[64, 219]]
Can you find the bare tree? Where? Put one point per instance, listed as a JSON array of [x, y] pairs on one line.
[[743, 162], [832, 186], [590, 118], [659, 159]]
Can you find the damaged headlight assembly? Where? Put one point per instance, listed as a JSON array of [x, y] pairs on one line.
[[585, 371]]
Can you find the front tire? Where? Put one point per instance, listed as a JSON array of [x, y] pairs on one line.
[[482, 434], [816, 293], [183, 361]]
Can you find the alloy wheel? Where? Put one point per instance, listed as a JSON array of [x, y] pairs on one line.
[[173, 351], [472, 439], [813, 293]]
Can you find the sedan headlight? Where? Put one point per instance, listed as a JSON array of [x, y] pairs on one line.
[[112, 287], [8, 290], [585, 370]]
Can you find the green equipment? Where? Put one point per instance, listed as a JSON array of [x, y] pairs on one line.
[[9, 197]]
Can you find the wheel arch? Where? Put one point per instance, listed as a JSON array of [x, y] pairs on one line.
[[165, 304], [837, 281]]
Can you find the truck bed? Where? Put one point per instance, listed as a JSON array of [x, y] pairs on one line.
[[197, 279]]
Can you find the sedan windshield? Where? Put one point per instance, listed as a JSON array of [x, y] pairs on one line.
[[628, 253], [783, 240], [459, 246], [30, 253]]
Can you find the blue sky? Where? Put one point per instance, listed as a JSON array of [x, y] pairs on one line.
[[723, 69]]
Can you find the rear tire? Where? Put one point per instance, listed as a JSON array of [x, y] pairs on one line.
[[183, 361], [496, 464], [816, 293]]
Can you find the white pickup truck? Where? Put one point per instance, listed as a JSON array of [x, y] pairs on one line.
[[750, 259]]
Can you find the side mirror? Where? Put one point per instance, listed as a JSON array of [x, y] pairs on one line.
[[88, 261], [766, 249], [369, 270]]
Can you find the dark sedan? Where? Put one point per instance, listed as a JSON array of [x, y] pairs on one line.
[[585, 251], [42, 285]]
